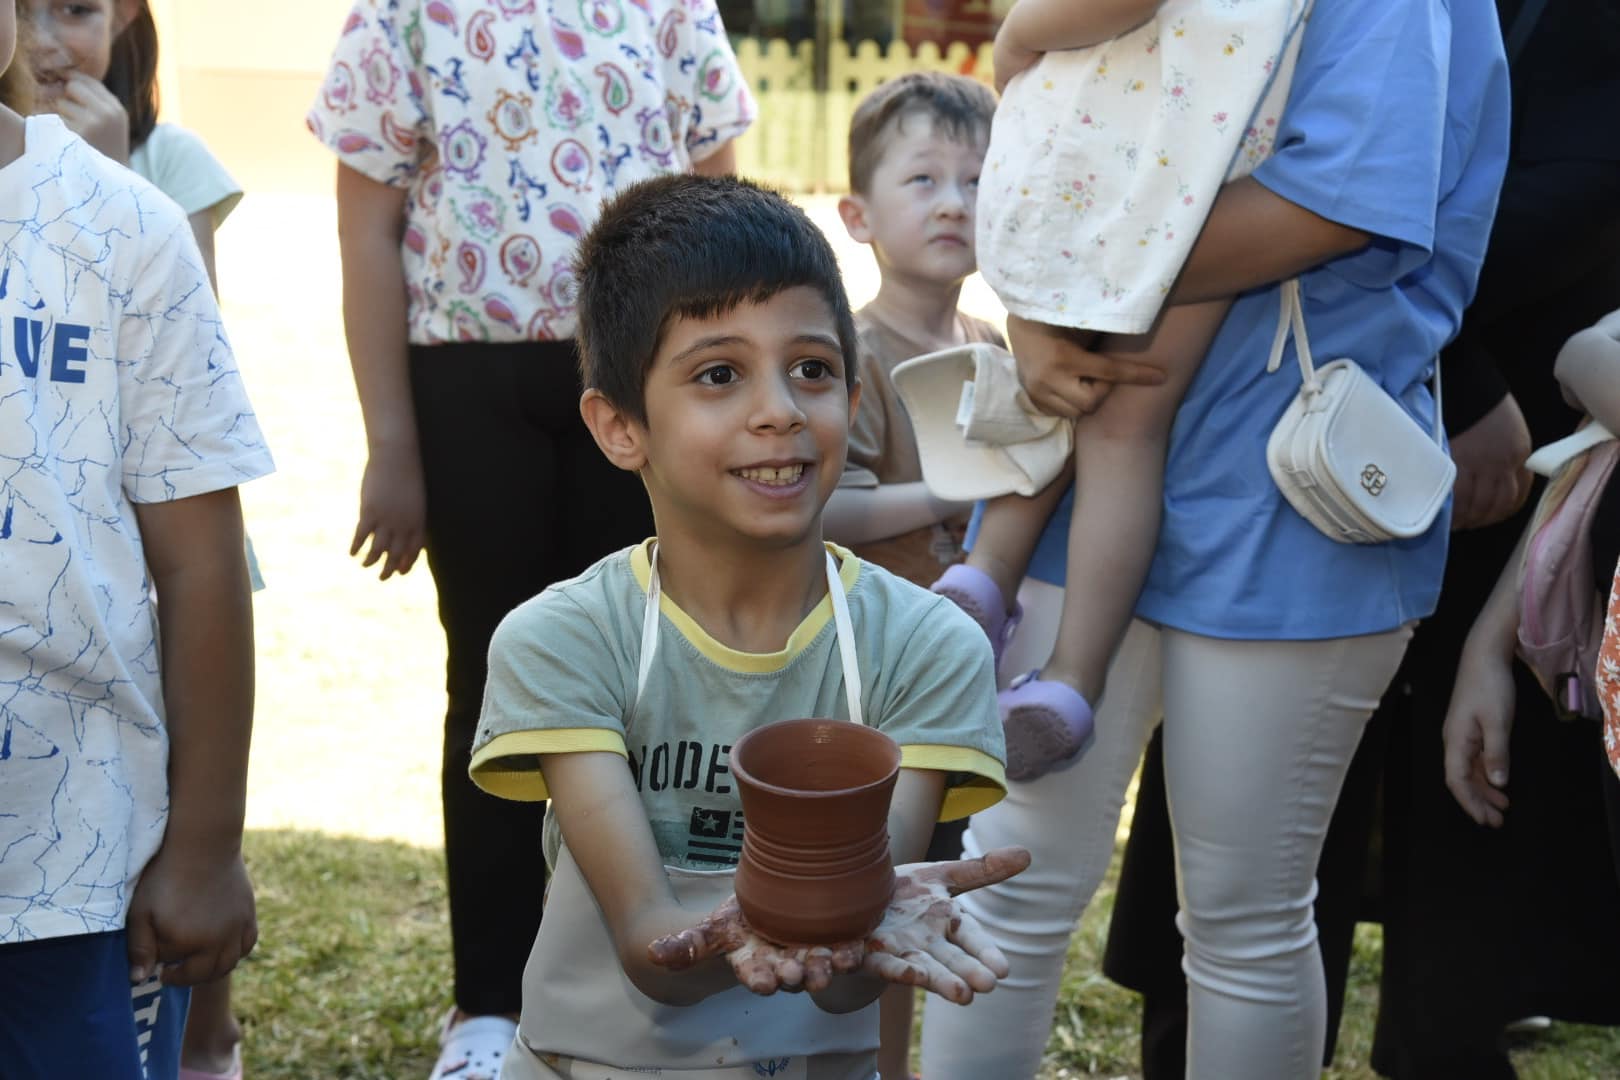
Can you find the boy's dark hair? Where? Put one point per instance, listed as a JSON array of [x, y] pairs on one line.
[[960, 108], [132, 75], [685, 246]]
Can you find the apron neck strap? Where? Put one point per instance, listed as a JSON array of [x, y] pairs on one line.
[[842, 625]]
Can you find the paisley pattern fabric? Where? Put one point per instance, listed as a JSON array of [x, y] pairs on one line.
[[508, 123]]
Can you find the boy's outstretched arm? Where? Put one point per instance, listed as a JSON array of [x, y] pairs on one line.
[[193, 906], [605, 827], [393, 501]]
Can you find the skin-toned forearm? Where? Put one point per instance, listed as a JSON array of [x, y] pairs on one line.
[[723, 162], [1050, 25], [862, 515], [205, 619], [370, 225], [202, 228], [913, 811], [1255, 237]]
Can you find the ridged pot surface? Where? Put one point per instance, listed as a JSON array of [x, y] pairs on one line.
[[815, 866]]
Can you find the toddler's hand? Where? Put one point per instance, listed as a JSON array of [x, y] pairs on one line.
[[927, 940], [95, 114], [192, 913], [762, 966]]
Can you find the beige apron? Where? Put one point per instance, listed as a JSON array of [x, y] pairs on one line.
[[580, 1009]]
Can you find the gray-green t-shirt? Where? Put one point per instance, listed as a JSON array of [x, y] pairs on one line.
[[562, 678]]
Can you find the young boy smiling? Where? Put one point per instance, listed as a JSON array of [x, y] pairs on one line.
[[718, 352]]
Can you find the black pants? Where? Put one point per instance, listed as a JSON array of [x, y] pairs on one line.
[[518, 497]]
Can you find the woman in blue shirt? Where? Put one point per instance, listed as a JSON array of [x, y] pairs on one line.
[[1265, 644]]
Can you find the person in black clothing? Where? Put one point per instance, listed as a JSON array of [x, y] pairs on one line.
[[1481, 926]]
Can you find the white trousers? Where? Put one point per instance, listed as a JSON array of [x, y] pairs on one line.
[[1258, 736]]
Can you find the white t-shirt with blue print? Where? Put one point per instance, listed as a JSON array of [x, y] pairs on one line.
[[117, 387]]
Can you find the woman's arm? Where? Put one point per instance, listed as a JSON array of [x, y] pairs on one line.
[[860, 515], [1479, 719], [393, 501], [1254, 237]]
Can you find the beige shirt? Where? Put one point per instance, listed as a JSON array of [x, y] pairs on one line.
[[883, 448]]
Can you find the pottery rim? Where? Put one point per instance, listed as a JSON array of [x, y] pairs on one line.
[[740, 770]]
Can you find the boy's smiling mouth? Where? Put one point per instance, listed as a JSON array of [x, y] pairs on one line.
[[782, 476]]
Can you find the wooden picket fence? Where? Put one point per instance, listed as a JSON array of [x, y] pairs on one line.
[[800, 139]]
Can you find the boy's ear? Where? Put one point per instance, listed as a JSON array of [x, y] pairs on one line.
[[616, 434], [854, 398], [852, 208]]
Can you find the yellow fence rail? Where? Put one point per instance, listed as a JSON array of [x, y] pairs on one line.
[[800, 140]]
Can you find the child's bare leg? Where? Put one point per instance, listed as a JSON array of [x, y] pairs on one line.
[[1008, 533], [1119, 495]]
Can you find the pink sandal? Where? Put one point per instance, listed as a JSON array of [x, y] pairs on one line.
[[1048, 726], [976, 593]]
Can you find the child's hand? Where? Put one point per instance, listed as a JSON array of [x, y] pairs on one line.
[[1478, 723], [94, 114], [927, 940], [393, 511], [762, 966], [1061, 376], [192, 913]]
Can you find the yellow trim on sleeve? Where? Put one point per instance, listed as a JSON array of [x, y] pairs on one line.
[[509, 765], [747, 663], [982, 787]]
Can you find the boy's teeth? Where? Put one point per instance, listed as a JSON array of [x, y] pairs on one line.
[[787, 474]]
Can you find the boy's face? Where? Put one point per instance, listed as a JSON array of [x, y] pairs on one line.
[[918, 213], [747, 421]]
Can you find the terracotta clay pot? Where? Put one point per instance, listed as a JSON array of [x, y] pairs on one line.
[[815, 865]]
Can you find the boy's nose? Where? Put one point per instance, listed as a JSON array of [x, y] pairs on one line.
[[776, 407]]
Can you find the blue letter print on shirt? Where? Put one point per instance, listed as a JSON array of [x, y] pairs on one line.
[[67, 348]]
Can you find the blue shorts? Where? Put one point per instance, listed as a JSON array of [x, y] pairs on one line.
[[70, 1010]]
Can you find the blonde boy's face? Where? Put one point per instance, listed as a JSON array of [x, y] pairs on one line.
[[918, 213], [747, 422]]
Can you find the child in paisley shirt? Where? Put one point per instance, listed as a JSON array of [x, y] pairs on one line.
[[475, 144]]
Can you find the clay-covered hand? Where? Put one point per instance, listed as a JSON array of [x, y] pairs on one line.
[[762, 966], [926, 939]]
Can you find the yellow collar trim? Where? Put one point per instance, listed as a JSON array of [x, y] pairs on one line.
[[747, 663]]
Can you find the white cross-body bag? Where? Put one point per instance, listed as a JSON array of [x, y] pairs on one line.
[[1346, 455]]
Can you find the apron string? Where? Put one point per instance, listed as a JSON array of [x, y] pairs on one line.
[[843, 627]]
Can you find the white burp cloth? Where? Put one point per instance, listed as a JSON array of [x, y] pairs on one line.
[[978, 434]]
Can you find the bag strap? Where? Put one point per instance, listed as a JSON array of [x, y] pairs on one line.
[[1291, 321]]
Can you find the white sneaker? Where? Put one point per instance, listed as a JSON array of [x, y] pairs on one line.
[[473, 1048]]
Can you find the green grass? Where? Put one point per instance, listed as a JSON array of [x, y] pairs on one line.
[[352, 970]]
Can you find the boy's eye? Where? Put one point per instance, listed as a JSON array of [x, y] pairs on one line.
[[719, 375], [813, 368], [920, 178], [974, 183]]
